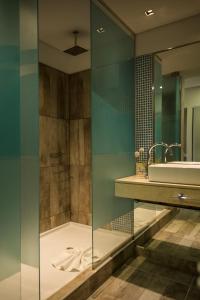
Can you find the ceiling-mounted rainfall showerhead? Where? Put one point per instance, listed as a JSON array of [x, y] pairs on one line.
[[75, 50]]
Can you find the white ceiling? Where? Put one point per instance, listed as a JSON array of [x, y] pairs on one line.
[[168, 11], [59, 18], [184, 59]]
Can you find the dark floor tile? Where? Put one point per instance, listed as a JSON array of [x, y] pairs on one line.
[[175, 291], [175, 275], [139, 278], [194, 292], [145, 265]]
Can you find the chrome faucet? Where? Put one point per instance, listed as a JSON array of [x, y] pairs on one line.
[[169, 149], [151, 148]]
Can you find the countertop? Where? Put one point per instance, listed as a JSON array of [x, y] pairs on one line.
[[134, 179]]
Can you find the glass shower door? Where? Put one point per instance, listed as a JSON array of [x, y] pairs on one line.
[[112, 130]]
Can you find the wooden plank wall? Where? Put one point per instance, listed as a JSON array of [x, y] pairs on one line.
[[54, 148], [65, 150], [80, 147]]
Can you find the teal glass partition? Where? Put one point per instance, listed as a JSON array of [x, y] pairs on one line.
[[158, 99], [195, 133], [10, 246], [157, 93], [112, 128], [171, 107], [18, 132], [29, 137]]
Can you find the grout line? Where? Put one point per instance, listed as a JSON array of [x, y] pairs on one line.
[[189, 289]]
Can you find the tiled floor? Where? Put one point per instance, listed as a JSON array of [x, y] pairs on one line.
[[183, 230], [140, 279], [167, 271], [178, 241]]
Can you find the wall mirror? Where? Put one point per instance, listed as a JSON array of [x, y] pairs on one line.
[[177, 100]]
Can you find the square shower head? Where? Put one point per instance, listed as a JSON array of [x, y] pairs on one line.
[[76, 50]]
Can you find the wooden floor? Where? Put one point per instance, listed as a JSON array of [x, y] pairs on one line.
[[183, 230], [177, 244], [169, 270], [140, 279]]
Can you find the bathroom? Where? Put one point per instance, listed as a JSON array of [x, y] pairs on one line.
[[87, 88]]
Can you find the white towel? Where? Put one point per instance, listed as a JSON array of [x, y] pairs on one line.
[[64, 259], [84, 260], [75, 260]]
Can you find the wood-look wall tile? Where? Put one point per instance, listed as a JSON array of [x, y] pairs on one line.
[[59, 191], [54, 141], [59, 219], [64, 143], [54, 148], [74, 142], [84, 142], [54, 93], [85, 190], [80, 194], [80, 142], [45, 224], [74, 192], [79, 95], [44, 193], [80, 170], [54, 196]]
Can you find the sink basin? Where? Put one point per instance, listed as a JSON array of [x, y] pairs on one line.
[[175, 172]]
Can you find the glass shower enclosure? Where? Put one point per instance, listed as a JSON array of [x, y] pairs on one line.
[[112, 97], [112, 101]]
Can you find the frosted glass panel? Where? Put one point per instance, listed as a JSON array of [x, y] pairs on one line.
[[18, 129], [158, 136], [29, 150], [9, 152], [112, 126], [196, 136], [171, 109], [158, 100]]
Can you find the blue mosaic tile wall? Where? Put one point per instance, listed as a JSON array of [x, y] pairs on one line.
[[144, 103]]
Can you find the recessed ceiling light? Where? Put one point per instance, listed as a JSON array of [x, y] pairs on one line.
[[100, 30], [149, 12]]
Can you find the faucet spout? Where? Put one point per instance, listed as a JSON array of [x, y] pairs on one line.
[[150, 150]]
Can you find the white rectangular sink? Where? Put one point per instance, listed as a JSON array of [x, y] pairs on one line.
[[175, 172]]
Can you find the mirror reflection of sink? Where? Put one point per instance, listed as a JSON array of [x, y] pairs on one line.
[[175, 172], [185, 162]]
